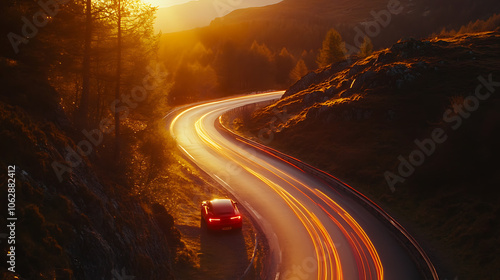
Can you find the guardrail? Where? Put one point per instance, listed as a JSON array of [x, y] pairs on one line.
[[251, 260]]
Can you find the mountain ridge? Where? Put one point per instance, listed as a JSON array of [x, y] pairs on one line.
[[200, 13]]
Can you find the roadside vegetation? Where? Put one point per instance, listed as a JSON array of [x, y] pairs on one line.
[[272, 47], [63, 224], [81, 111], [82, 104]]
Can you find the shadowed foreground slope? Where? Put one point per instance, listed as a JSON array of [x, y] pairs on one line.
[[84, 227]]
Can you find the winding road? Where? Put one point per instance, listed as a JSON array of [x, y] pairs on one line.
[[314, 229]]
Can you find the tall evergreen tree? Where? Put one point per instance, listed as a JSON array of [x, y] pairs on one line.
[[133, 20], [83, 108], [118, 78], [284, 64], [333, 49], [366, 48], [299, 71]]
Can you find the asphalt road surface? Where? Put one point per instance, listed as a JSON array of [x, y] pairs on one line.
[[314, 231]]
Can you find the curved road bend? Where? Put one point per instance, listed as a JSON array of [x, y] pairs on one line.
[[313, 231]]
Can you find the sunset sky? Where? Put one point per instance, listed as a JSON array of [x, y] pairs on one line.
[[177, 15], [165, 3], [168, 3]]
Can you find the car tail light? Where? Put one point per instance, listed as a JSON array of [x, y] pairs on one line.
[[236, 218], [213, 220]]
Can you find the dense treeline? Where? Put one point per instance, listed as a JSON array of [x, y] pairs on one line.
[[224, 60], [101, 57], [86, 164], [202, 73], [252, 50], [492, 23]]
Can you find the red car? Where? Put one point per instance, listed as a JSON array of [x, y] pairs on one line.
[[221, 214]]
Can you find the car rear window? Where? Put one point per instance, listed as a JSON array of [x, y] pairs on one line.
[[222, 207]]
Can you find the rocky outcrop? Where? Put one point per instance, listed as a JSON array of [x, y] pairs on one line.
[[397, 70]]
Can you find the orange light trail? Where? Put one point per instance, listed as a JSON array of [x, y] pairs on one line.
[[327, 256], [360, 233], [361, 258], [326, 253]]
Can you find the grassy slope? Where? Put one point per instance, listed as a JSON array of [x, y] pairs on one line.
[[355, 120]]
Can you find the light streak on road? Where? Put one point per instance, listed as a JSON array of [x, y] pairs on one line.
[[302, 216]]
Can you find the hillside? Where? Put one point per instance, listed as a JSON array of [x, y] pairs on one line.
[[199, 13], [81, 225], [415, 127], [345, 15], [270, 47]]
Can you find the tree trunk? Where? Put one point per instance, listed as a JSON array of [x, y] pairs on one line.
[[118, 82], [83, 109]]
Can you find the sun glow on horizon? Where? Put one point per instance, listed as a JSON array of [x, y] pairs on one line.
[[165, 3]]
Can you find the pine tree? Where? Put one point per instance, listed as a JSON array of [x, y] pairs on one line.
[[366, 48], [333, 49], [299, 71], [83, 108], [133, 18], [284, 64]]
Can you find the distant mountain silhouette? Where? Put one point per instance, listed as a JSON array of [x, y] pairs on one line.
[[418, 18], [200, 13], [257, 48]]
